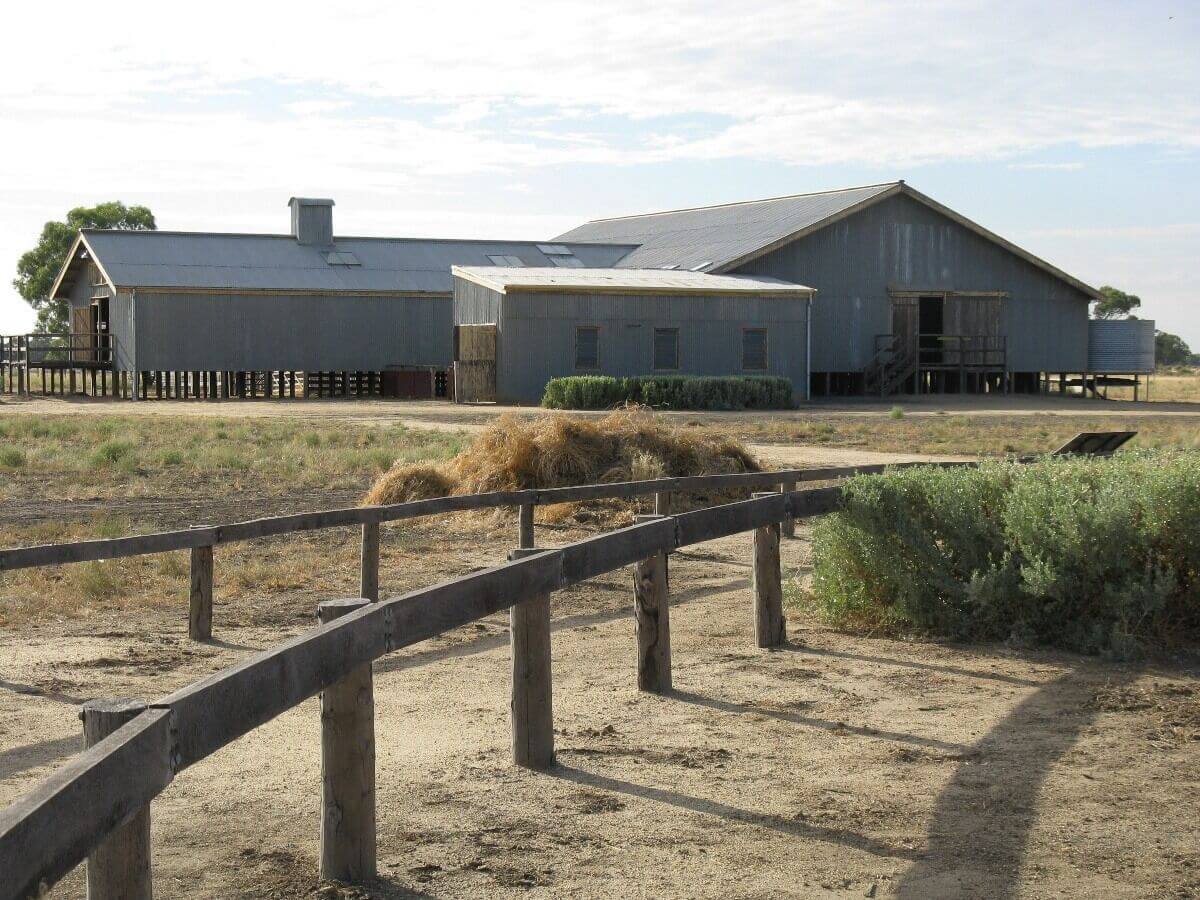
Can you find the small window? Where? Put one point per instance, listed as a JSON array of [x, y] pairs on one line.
[[666, 348], [706, 263], [555, 249], [499, 260], [754, 349], [587, 347], [341, 258], [567, 262]]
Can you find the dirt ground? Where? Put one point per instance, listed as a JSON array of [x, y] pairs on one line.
[[836, 767], [441, 414], [840, 766]]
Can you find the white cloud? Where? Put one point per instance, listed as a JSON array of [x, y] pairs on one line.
[[389, 102], [1048, 166]]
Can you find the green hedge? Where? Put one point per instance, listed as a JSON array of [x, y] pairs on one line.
[[1090, 554], [669, 392]]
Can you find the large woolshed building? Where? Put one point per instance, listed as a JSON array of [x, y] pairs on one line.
[[910, 296]]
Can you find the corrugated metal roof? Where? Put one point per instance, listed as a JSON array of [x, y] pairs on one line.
[[712, 236], [206, 261], [627, 281], [720, 238]]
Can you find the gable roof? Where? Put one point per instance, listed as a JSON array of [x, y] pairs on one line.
[[709, 237], [721, 238], [628, 281], [182, 260]]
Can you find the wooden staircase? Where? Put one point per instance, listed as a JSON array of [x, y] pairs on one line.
[[895, 361]]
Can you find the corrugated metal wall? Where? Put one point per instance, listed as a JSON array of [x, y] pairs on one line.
[[537, 336], [246, 332], [120, 320], [474, 304], [1121, 346], [904, 245]]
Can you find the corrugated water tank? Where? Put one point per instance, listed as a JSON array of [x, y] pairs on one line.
[[1121, 346]]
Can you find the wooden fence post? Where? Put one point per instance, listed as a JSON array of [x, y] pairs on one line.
[[532, 704], [788, 525], [119, 868], [525, 526], [769, 626], [347, 767], [662, 503], [200, 612], [651, 603], [368, 583]]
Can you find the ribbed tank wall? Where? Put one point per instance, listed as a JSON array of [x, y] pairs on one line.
[[1124, 346]]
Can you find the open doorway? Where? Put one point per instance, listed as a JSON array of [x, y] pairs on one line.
[[931, 328]]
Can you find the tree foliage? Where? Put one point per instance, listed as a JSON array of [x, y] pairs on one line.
[[1171, 350], [1116, 304], [37, 269]]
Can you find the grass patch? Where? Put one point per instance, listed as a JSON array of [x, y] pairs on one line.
[[1094, 555], [142, 454], [111, 452], [96, 582]]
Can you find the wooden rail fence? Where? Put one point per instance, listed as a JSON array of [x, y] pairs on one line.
[[201, 540], [97, 806]]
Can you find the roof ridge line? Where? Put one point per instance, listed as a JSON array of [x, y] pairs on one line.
[[667, 212], [357, 237]]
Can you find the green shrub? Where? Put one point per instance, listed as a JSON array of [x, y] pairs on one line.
[[11, 458], [1090, 554], [111, 452], [669, 392]]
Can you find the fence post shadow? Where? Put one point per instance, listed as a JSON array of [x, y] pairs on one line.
[[977, 838], [726, 811]]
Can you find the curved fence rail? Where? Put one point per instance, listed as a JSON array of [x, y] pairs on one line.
[[89, 806]]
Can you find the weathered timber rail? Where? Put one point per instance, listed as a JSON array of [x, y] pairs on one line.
[[202, 539], [97, 806]]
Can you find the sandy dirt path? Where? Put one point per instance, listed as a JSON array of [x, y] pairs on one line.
[[836, 767], [443, 414]]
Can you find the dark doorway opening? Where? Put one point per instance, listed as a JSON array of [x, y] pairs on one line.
[[931, 327]]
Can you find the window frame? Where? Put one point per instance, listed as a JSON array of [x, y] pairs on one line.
[[654, 367], [766, 366], [578, 367]]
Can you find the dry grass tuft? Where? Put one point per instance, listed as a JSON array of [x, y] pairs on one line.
[[558, 450]]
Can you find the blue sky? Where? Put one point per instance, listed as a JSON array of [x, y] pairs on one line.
[[1071, 129]]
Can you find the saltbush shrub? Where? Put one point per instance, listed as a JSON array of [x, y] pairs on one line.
[[1090, 554], [669, 392]]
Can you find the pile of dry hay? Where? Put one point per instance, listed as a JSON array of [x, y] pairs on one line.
[[557, 450]]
